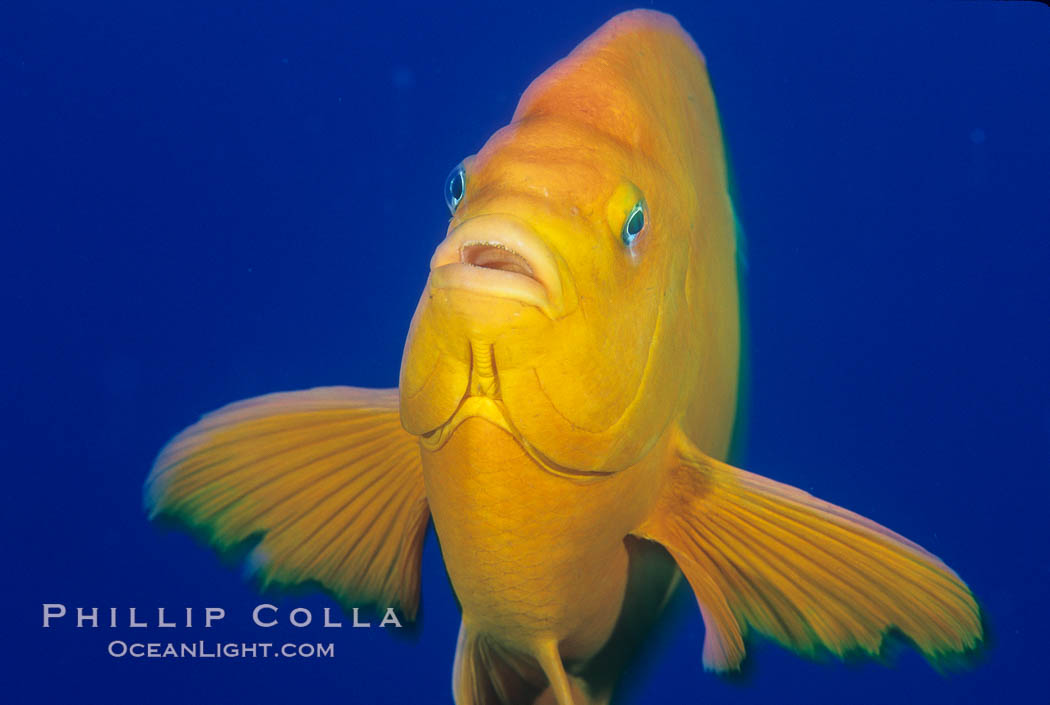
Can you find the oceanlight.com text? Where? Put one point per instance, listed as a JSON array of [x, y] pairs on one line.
[[213, 649]]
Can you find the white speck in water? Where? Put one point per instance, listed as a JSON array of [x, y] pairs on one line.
[[402, 78], [977, 136]]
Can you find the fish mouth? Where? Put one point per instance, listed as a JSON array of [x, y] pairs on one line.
[[501, 256], [495, 255]]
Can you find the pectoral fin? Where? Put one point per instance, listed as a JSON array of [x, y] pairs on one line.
[[803, 571], [327, 477]]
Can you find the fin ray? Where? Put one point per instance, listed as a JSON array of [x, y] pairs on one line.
[[809, 574], [326, 477]]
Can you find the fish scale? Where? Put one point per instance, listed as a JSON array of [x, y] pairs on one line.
[[511, 536]]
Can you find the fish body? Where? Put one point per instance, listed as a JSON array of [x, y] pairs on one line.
[[567, 396], [538, 558], [564, 398]]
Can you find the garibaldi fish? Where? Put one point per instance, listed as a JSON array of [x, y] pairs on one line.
[[567, 397]]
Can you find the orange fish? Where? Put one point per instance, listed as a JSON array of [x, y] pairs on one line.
[[567, 397]]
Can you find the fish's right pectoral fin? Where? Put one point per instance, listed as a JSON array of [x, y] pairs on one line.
[[803, 571], [326, 479]]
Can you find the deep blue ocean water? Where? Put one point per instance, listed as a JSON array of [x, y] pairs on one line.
[[208, 201]]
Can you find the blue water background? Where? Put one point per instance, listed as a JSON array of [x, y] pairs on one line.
[[207, 201]]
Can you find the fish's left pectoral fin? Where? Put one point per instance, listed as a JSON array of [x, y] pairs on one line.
[[325, 479], [811, 575]]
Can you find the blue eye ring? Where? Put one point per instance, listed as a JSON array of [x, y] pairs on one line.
[[633, 224], [455, 187]]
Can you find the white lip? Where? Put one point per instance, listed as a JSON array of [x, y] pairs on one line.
[[536, 280]]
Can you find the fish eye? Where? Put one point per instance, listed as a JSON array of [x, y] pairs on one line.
[[455, 187], [633, 224]]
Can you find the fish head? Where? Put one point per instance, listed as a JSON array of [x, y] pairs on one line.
[[559, 304], [559, 278]]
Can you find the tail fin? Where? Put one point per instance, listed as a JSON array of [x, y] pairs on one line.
[[327, 477], [803, 571]]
